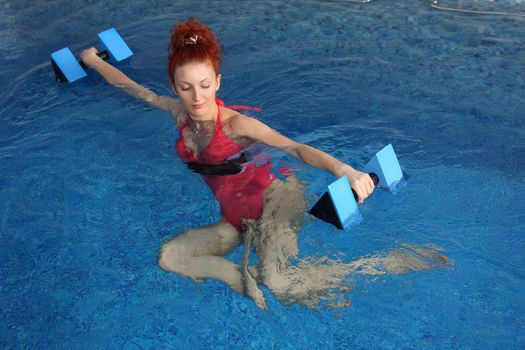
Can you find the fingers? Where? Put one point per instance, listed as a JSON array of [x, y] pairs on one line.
[[87, 54], [363, 186], [369, 184]]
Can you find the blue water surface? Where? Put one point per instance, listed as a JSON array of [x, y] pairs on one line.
[[90, 185]]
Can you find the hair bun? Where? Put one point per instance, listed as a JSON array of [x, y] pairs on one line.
[[192, 41]]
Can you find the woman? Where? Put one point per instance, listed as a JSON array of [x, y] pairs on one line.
[[251, 200]]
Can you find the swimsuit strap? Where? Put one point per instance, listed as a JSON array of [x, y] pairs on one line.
[[245, 108], [220, 104], [237, 107]]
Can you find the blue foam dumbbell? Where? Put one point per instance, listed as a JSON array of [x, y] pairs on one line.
[[69, 69], [338, 205]]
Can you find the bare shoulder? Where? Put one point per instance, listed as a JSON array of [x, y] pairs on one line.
[[243, 126], [234, 125], [241, 123]]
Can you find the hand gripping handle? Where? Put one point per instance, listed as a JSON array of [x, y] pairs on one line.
[[374, 178]]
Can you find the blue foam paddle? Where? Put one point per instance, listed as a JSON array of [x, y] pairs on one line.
[[386, 166], [69, 69], [338, 205]]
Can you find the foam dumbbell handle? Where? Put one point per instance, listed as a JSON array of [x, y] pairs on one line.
[[374, 178], [103, 55]]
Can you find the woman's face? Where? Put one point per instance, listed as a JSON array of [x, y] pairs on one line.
[[196, 84]]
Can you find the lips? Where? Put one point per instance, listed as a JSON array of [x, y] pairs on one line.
[[198, 106]]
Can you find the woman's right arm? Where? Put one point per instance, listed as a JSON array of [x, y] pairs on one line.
[[258, 131], [116, 78]]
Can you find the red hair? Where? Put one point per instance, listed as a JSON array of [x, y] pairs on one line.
[[192, 41]]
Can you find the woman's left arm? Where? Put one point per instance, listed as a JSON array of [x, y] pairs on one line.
[[256, 130]]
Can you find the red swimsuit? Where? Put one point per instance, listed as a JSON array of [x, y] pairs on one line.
[[241, 196]]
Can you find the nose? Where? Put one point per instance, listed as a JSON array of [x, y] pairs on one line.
[[196, 95]]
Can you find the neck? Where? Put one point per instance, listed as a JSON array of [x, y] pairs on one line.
[[206, 124], [212, 116]]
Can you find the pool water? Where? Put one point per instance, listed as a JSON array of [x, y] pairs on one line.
[[90, 185]]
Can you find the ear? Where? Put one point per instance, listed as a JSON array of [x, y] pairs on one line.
[[218, 82]]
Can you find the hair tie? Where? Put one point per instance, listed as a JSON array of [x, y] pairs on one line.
[[192, 40]]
